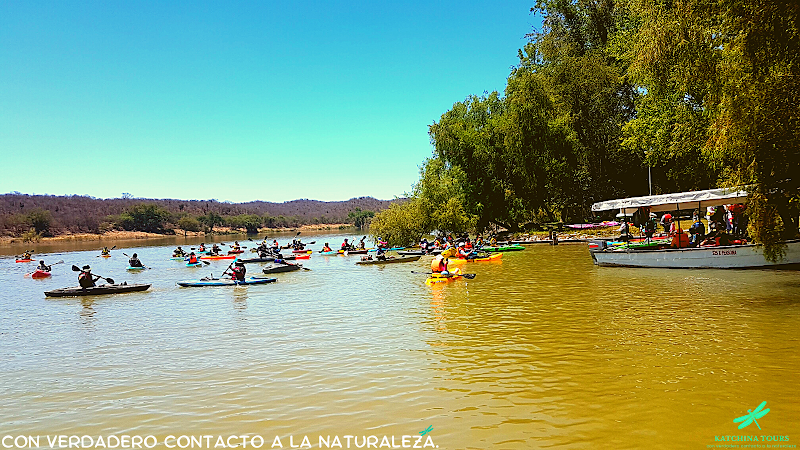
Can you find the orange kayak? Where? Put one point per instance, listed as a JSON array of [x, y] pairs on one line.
[[24, 260]]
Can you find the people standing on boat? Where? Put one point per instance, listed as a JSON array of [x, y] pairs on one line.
[[43, 267], [650, 226], [85, 278], [666, 222], [624, 230], [697, 231], [134, 261]]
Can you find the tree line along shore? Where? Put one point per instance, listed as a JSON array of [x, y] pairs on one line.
[[613, 99], [26, 218]]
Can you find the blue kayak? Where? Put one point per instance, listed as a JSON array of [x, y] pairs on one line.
[[197, 264], [225, 282], [134, 269], [388, 249]]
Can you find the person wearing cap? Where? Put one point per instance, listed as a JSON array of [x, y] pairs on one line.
[[650, 226], [666, 222], [134, 261], [43, 267], [85, 278], [462, 251], [192, 258], [239, 271]]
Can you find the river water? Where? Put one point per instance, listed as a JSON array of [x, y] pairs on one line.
[[540, 350]]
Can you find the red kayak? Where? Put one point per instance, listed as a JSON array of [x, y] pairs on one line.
[[40, 274], [305, 256], [235, 252], [24, 260]]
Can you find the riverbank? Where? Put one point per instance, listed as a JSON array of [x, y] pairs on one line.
[[113, 236]]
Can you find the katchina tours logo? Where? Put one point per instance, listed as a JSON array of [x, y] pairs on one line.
[[752, 416]]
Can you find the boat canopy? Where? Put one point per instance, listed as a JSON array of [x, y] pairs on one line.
[[677, 201]]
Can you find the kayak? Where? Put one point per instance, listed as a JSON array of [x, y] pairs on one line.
[[388, 249], [24, 260], [494, 257], [306, 256], [418, 252], [354, 252], [134, 269], [330, 253], [197, 264], [105, 256], [178, 258], [399, 259], [280, 268], [503, 248], [436, 278], [224, 282], [40, 274], [219, 257], [235, 252], [103, 289], [301, 251], [257, 260]]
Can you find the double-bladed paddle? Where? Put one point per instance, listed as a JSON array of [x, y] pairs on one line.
[[78, 269]]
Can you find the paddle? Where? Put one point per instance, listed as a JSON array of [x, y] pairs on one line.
[[108, 280], [468, 276]]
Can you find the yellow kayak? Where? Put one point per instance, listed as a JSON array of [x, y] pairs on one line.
[[493, 257]]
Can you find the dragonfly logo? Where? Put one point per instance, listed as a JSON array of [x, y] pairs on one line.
[[752, 416]]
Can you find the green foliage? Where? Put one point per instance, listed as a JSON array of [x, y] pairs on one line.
[[144, 217], [400, 225], [40, 220], [189, 223], [210, 220], [360, 218]]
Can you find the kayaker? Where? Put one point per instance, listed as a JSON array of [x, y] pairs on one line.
[[85, 278], [239, 271], [493, 241], [43, 267], [326, 248], [276, 248], [192, 258], [380, 254], [178, 252], [361, 245], [202, 247], [235, 246], [25, 255], [468, 245], [134, 261], [345, 245], [105, 251], [439, 265], [479, 242], [215, 250]]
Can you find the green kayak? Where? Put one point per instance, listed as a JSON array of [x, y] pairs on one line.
[[504, 248]]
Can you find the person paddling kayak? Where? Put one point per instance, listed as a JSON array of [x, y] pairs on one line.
[[439, 265], [215, 250], [25, 255], [105, 251], [192, 258], [43, 267], [134, 261], [202, 247], [238, 272], [326, 248], [178, 252], [85, 278]]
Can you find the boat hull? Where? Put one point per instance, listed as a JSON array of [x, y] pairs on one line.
[[103, 289], [399, 259], [724, 257]]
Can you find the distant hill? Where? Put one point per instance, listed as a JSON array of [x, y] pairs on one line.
[[84, 214]]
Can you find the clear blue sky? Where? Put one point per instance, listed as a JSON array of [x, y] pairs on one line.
[[239, 101]]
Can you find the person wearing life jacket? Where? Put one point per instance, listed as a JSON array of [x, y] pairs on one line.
[[346, 246], [326, 248], [43, 267], [468, 245], [479, 241], [178, 252], [276, 248], [192, 258], [380, 253], [134, 261], [235, 246], [85, 278], [439, 265], [463, 253], [493, 241], [202, 247], [25, 255], [239, 271], [105, 251], [215, 250]]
